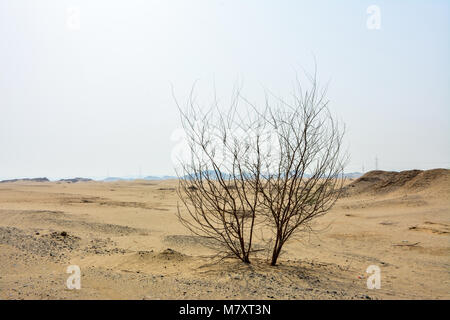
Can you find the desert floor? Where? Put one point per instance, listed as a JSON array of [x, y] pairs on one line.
[[128, 243]]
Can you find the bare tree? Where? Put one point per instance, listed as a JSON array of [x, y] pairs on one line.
[[304, 176], [277, 166], [213, 181]]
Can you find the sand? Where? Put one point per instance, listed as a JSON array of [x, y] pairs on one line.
[[128, 243]]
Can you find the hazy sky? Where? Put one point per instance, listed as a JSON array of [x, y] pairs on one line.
[[85, 86]]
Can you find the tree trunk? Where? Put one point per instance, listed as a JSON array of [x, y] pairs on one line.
[[276, 253]]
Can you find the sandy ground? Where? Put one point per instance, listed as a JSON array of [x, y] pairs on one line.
[[128, 243]]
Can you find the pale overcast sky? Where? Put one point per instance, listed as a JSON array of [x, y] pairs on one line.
[[85, 85]]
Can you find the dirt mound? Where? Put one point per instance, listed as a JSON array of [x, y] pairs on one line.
[[170, 254], [382, 182], [430, 178]]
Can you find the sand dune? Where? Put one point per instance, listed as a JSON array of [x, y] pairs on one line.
[[129, 244]]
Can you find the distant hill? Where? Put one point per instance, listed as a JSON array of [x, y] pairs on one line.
[[110, 179], [26, 179], [212, 174], [159, 177], [353, 175], [74, 180]]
